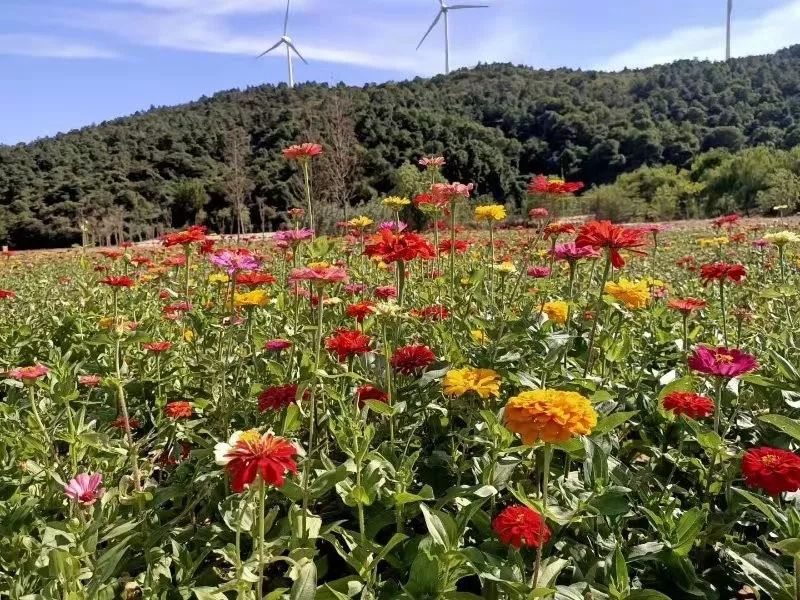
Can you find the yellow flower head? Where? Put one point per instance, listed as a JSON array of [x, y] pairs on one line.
[[633, 294], [781, 238], [479, 336], [556, 311], [716, 241], [549, 415], [484, 382], [360, 222], [218, 278], [251, 299], [396, 202], [490, 212], [188, 335], [105, 322], [506, 267]]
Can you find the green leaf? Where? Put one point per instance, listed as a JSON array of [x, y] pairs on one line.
[[790, 546], [304, 574], [380, 407], [689, 526], [647, 595], [612, 421], [787, 425], [436, 527], [772, 513], [106, 565], [325, 482]]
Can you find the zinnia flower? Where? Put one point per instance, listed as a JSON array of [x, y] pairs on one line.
[[277, 345], [360, 310], [412, 359], [395, 202], [722, 362], [633, 294], [432, 162], [29, 374], [346, 343], [293, 236], [301, 152], [318, 275], [4, 294], [726, 220], [556, 229], [538, 272], [370, 392], [251, 299], [118, 281], [686, 305], [248, 454], [549, 415], [279, 397], [490, 212], [690, 404], [538, 213], [85, 488], [391, 247], [720, 271], [556, 311], [385, 292], [484, 382], [157, 347], [232, 261], [435, 312], [196, 233], [254, 279], [521, 526], [553, 185], [781, 238], [604, 234], [571, 253], [772, 470], [180, 409], [90, 380]]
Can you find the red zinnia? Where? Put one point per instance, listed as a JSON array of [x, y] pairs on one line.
[[435, 312], [279, 397], [385, 292], [726, 220], [542, 185], [556, 229], [721, 271], [604, 234], [771, 469], [196, 233], [120, 423], [302, 151], [118, 281], [249, 454], [391, 247], [254, 279], [410, 360], [686, 305], [7, 294], [690, 404], [361, 310], [346, 343], [157, 346], [180, 409], [521, 526], [370, 392], [459, 246]]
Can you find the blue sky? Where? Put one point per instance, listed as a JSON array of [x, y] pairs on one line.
[[69, 63]]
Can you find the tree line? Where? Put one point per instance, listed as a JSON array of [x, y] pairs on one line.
[[217, 161]]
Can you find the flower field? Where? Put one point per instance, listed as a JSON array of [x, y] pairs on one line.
[[562, 411]]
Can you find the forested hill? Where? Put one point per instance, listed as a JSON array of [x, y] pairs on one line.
[[496, 124]]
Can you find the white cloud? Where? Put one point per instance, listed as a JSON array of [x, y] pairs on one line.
[[771, 31], [215, 7], [46, 46]]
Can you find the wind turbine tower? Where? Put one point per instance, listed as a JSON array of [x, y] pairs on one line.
[[444, 9], [290, 47], [728, 32]]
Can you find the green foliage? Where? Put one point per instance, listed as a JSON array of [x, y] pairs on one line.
[[497, 124]]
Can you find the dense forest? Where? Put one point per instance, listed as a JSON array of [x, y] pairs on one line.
[[496, 124]]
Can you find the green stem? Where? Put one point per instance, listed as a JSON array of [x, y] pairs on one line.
[[312, 422], [452, 248], [307, 181], [724, 316], [598, 313], [548, 455], [262, 498]]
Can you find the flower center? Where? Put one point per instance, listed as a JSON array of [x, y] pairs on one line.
[[770, 460], [723, 358]]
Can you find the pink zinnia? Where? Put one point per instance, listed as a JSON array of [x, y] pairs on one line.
[[277, 345], [28, 374], [89, 380], [234, 260], [538, 272], [722, 362], [432, 162], [318, 275], [538, 213], [572, 253], [85, 488]]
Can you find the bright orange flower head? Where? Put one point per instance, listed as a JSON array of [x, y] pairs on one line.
[[604, 234], [686, 305], [549, 415], [195, 234]]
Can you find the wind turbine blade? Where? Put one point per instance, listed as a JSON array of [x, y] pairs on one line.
[[296, 51], [435, 21], [457, 6], [286, 18], [270, 49]]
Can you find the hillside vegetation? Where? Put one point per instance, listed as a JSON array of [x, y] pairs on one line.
[[497, 125]]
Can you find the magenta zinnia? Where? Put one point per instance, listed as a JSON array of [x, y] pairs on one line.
[[722, 362]]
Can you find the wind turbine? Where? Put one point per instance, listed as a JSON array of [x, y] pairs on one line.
[[290, 47], [728, 32], [443, 10]]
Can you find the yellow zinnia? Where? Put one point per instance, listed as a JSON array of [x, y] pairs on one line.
[[360, 222], [549, 415], [479, 336], [396, 202], [250, 299], [490, 212], [218, 278], [781, 238], [484, 382], [633, 294], [556, 311], [506, 267]]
